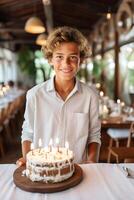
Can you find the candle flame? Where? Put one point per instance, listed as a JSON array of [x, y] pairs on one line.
[[40, 142], [57, 140], [67, 145], [101, 93], [118, 100], [51, 142], [32, 146]]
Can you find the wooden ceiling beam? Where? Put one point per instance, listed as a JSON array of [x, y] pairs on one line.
[[49, 16], [93, 7], [16, 30], [17, 41]]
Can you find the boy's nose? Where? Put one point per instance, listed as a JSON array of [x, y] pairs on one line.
[[66, 61]]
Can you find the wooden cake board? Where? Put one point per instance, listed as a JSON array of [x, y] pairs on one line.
[[26, 184]]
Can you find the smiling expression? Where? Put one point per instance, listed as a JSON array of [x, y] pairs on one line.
[[66, 61]]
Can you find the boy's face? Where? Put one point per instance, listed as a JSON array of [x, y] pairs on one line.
[[66, 60]]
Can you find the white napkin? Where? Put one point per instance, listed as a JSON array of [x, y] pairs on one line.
[[130, 118], [114, 114]]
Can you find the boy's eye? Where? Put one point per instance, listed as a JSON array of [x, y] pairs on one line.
[[74, 58], [59, 57]]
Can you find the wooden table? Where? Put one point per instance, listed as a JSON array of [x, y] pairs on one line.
[[115, 122]]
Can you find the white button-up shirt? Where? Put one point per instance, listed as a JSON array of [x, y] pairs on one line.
[[75, 120]]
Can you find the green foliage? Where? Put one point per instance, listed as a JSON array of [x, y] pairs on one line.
[[130, 57], [26, 61], [42, 66], [98, 67], [131, 76], [83, 73]]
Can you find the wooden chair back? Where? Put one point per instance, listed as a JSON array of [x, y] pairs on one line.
[[123, 153], [131, 133]]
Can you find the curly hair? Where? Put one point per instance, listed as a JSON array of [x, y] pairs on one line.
[[65, 34]]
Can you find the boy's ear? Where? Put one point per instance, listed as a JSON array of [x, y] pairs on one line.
[[50, 61]]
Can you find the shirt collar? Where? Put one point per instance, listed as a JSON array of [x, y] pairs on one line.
[[51, 87]]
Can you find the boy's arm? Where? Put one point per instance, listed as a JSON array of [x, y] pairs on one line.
[[27, 127], [25, 149], [93, 152]]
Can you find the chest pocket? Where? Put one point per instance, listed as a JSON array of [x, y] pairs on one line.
[[78, 125], [81, 121]]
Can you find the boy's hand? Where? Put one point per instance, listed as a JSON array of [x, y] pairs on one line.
[[20, 162]]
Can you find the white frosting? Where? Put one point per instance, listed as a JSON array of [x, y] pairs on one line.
[[48, 166]]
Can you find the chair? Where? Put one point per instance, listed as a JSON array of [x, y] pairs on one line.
[[117, 135], [121, 153]]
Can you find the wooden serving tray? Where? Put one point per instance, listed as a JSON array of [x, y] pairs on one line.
[[26, 184]]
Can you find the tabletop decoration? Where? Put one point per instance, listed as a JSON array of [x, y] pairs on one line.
[[101, 93], [57, 144], [50, 145], [67, 147], [119, 106], [40, 144], [32, 147]]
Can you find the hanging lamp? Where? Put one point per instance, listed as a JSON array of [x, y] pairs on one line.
[[34, 25], [41, 39]]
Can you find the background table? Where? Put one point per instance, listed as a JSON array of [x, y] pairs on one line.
[[115, 123], [101, 182]]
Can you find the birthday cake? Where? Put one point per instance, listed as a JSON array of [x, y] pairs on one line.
[[49, 166]]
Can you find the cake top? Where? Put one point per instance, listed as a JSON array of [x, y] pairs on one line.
[[48, 155]]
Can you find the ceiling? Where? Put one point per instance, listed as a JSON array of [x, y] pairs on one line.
[[83, 15]]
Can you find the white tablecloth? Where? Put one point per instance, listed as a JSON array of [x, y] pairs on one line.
[[100, 182]]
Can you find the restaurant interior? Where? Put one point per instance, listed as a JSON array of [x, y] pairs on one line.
[[109, 28]]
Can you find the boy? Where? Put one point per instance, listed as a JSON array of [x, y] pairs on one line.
[[63, 107]]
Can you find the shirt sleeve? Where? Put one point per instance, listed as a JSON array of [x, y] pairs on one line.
[[28, 124], [94, 121]]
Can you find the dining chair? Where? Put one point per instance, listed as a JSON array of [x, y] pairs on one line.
[[121, 153], [116, 135]]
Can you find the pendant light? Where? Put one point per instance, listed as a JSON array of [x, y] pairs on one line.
[[41, 39], [34, 25]]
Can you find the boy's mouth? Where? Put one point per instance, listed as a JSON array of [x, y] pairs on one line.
[[66, 70]]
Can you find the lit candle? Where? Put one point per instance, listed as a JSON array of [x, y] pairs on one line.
[[118, 101], [105, 111], [32, 147], [40, 144], [1, 93], [119, 106], [101, 93], [4, 89], [50, 144], [122, 104], [67, 147], [57, 144], [98, 85]]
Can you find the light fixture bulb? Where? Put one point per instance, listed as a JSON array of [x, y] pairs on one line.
[[41, 39], [34, 25], [108, 15]]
